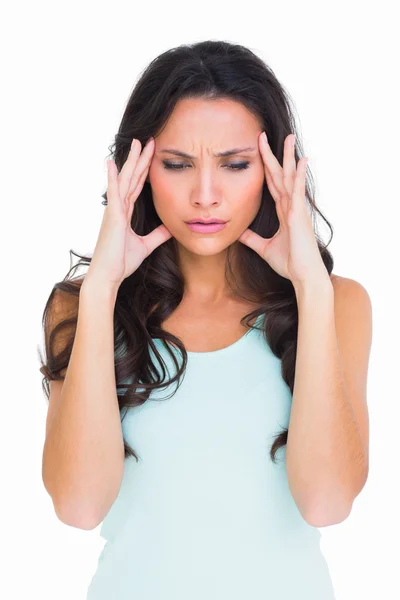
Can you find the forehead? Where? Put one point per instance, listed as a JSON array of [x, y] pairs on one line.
[[210, 121]]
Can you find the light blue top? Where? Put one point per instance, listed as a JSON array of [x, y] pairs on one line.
[[205, 514]]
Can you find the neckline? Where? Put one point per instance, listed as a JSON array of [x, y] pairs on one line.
[[214, 353]]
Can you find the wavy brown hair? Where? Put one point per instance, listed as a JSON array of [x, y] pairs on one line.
[[207, 70]]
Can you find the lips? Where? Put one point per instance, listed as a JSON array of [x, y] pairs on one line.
[[205, 221], [201, 227]]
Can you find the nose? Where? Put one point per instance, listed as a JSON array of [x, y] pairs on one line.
[[206, 193]]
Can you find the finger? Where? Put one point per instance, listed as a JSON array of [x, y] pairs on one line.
[[254, 241], [273, 190], [299, 188], [155, 238], [289, 163], [113, 197], [134, 193], [128, 168], [141, 166], [133, 166], [269, 162]]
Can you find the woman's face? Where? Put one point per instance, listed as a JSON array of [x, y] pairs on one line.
[[205, 186]]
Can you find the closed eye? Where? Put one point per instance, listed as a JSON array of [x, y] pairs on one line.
[[239, 166]]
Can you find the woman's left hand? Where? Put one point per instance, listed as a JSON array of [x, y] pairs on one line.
[[293, 251]]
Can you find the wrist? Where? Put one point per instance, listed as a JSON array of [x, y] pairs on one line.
[[98, 288], [319, 286]]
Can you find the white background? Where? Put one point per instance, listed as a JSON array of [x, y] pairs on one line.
[[67, 72]]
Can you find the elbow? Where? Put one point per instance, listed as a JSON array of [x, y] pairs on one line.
[[327, 519], [326, 515], [328, 509], [78, 518]]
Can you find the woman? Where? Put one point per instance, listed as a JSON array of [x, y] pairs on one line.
[[187, 347]]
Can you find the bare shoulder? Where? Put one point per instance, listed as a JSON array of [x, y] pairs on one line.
[[337, 279], [345, 287], [352, 304]]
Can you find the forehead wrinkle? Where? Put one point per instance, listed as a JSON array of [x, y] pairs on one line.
[[217, 154]]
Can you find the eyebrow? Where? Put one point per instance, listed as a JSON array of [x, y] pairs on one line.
[[218, 154]]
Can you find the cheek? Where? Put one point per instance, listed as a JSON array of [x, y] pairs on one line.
[[246, 207], [161, 188], [165, 201], [248, 210], [250, 194]]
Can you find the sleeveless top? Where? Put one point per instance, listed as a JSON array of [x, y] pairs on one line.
[[205, 513]]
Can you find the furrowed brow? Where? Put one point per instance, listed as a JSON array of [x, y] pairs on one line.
[[218, 154]]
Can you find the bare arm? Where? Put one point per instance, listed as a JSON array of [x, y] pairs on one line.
[[83, 455], [327, 449]]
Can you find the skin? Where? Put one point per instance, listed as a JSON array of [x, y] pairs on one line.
[[206, 187]]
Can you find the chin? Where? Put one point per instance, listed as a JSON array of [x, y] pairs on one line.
[[206, 246]]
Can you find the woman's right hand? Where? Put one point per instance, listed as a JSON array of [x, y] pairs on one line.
[[119, 250]]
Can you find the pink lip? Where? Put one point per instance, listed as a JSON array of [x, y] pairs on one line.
[[203, 228]]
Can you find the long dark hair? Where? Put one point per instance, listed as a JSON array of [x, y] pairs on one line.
[[208, 69]]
